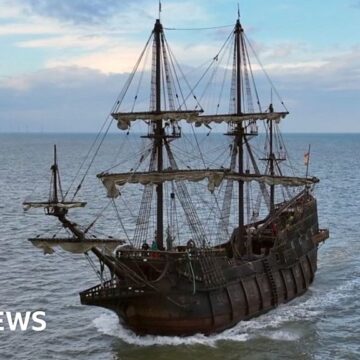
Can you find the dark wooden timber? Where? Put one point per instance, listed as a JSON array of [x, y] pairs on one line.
[[240, 130], [162, 299], [158, 29], [272, 172], [54, 169]]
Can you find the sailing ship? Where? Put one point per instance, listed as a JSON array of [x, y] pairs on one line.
[[257, 253]]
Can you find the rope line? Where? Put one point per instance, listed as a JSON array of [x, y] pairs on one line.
[[200, 28]]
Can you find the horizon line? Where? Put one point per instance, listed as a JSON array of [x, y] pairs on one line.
[[138, 132]]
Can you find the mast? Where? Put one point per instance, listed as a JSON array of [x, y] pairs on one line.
[[158, 29], [240, 128], [163, 119], [54, 169], [271, 160]]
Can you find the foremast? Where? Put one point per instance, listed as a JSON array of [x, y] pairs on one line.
[[55, 178], [57, 206]]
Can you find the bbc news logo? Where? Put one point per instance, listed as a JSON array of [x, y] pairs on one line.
[[18, 320]]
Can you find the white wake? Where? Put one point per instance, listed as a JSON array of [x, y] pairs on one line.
[[273, 325]]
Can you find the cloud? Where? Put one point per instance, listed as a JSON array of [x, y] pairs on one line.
[[86, 48], [77, 11], [33, 28], [117, 59], [329, 73], [115, 13], [96, 35], [75, 98], [284, 50], [62, 100], [66, 41], [356, 4], [60, 78], [9, 12]]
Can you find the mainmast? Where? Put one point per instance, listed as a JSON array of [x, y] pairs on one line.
[[240, 129], [158, 135], [271, 160]]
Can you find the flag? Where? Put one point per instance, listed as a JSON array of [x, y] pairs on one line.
[[306, 158], [159, 6]]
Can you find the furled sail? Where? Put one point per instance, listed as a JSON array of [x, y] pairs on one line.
[[50, 204], [74, 245], [233, 118], [214, 177], [124, 119]]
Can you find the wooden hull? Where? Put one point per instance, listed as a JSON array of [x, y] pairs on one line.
[[209, 311], [182, 303]]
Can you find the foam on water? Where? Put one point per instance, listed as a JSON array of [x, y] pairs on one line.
[[271, 325], [283, 335], [108, 324]]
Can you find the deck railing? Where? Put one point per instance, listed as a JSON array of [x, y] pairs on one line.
[[108, 289]]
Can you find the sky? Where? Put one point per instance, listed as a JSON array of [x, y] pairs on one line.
[[63, 63]]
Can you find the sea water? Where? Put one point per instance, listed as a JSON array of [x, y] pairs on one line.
[[322, 324]]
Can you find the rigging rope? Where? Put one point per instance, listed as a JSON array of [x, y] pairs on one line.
[[141, 78], [187, 205], [247, 81], [92, 160], [120, 221], [197, 144], [96, 218], [226, 72], [226, 205], [143, 218], [266, 74], [115, 107], [187, 83], [173, 63], [167, 75], [200, 28]]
